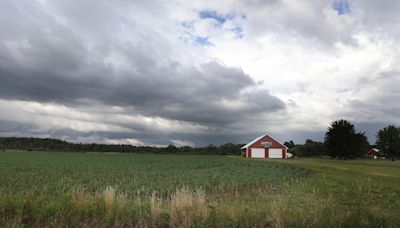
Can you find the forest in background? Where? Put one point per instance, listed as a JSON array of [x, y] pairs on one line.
[[341, 141], [47, 144]]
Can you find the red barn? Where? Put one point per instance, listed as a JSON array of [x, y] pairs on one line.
[[375, 154], [264, 147]]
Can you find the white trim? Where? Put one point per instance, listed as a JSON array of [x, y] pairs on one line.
[[252, 142], [262, 136]]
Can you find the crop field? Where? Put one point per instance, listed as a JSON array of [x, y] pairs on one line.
[[47, 174], [147, 190], [38, 177]]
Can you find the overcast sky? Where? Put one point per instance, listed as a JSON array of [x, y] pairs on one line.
[[156, 72]]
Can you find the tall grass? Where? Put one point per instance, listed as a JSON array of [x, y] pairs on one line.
[[188, 208], [184, 205], [142, 191], [109, 197]]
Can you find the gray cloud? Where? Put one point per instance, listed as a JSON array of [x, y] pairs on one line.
[[97, 71], [174, 91], [374, 103], [63, 55]]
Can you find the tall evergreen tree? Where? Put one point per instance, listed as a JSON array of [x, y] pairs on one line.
[[388, 141], [342, 140]]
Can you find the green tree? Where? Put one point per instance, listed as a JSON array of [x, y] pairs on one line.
[[342, 141], [289, 144], [171, 148], [388, 141], [229, 148], [310, 148], [211, 149]]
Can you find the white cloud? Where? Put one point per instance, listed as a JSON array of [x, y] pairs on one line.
[[323, 65], [182, 143]]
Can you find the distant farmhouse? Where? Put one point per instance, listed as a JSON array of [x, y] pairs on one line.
[[374, 153], [265, 147]]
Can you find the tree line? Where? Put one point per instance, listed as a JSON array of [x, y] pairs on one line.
[[47, 144], [342, 141]]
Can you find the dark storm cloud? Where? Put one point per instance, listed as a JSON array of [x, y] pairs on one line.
[[371, 129], [174, 91], [76, 58], [146, 136], [14, 127]]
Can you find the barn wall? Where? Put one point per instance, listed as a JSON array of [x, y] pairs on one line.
[[243, 152]]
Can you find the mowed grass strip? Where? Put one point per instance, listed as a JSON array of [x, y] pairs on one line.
[[351, 193]]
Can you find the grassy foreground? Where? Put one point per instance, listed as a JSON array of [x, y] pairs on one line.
[[351, 193], [71, 189]]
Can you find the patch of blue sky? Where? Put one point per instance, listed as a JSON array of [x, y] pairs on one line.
[[202, 41], [221, 20], [195, 40], [341, 7], [212, 14]]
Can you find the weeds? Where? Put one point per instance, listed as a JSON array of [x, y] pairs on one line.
[[109, 197]]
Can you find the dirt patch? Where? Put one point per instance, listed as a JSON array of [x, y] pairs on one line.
[[382, 174]]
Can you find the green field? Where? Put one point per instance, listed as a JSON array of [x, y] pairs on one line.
[[94, 189], [49, 174]]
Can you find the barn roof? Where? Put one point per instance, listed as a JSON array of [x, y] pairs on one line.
[[255, 140]]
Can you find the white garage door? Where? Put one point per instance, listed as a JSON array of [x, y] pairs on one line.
[[258, 153], [275, 153]]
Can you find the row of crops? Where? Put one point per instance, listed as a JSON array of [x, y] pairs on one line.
[[52, 174]]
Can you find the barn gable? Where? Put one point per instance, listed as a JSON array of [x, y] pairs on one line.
[[264, 138]]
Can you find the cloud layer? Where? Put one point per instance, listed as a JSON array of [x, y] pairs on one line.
[[158, 73]]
